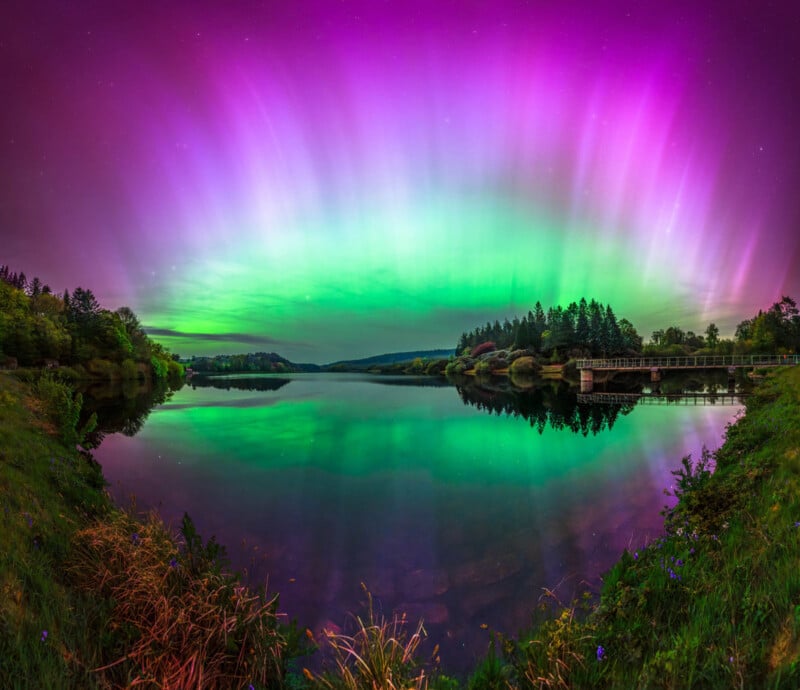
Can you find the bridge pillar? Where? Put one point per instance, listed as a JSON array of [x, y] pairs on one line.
[[587, 380], [655, 375]]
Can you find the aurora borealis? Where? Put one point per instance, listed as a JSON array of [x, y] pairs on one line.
[[338, 179]]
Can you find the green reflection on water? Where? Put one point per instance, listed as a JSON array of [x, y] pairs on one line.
[[448, 511]]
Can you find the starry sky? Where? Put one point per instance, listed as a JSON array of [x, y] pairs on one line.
[[332, 179]]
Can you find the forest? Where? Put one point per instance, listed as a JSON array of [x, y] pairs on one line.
[[590, 329], [582, 329], [74, 333]]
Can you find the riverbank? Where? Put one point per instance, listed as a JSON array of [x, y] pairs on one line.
[[712, 604], [715, 603], [94, 597]]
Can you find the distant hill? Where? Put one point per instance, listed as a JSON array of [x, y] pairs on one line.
[[392, 358], [258, 362]]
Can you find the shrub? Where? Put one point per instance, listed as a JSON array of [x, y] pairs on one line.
[[524, 365], [437, 366], [483, 367], [103, 369], [483, 348], [64, 409], [159, 367], [129, 370]]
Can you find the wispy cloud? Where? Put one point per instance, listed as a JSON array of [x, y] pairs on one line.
[[245, 338]]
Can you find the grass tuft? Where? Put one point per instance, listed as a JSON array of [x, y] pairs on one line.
[[379, 655], [178, 620]]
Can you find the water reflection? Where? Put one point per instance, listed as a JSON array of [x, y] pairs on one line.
[[556, 406], [444, 500], [243, 383], [121, 407]]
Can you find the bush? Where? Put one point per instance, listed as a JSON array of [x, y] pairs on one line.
[[524, 365], [103, 369], [175, 371], [483, 367], [129, 370], [64, 409], [159, 367], [483, 348], [436, 367]]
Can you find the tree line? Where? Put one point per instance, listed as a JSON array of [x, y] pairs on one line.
[[774, 331], [582, 329], [40, 328], [590, 329], [255, 362]]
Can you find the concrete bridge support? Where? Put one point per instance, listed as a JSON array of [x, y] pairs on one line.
[[587, 380], [655, 375]]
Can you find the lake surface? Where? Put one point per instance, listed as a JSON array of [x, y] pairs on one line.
[[459, 505]]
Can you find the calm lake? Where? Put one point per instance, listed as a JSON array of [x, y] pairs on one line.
[[458, 505]]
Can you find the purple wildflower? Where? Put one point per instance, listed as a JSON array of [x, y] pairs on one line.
[[173, 563], [29, 519], [601, 652], [44, 635], [134, 539], [635, 555]]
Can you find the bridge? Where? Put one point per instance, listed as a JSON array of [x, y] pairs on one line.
[[656, 365], [657, 399]]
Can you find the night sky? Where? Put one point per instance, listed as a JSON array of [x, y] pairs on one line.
[[338, 179]]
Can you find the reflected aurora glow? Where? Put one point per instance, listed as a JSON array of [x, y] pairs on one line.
[[446, 511]]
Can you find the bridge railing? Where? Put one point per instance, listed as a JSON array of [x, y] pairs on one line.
[[700, 362], [652, 399]]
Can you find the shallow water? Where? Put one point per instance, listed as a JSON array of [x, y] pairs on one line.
[[458, 513]]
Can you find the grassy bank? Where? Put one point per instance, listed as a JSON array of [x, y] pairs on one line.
[[713, 604], [92, 597]]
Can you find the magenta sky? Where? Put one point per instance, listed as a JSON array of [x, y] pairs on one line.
[[276, 176]]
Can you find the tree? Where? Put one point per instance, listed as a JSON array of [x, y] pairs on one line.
[[674, 336], [613, 332], [712, 336], [631, 340], [582, 325]]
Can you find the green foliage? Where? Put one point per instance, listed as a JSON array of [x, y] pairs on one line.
[[581, 329], [129, 371], [200, 558], [159, 367], [39, 329], [63, 408]]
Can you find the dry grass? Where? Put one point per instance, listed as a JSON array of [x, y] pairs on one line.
[[179, 625], [380, 655]]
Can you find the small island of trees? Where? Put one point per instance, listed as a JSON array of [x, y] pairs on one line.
[[590, 329]]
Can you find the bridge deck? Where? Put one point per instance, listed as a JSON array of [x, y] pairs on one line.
[[703, 362]]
